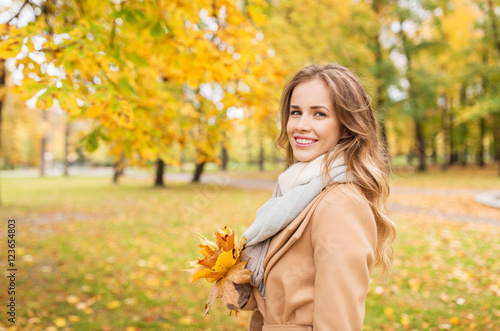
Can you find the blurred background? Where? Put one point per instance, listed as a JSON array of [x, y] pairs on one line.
[[129, 126]]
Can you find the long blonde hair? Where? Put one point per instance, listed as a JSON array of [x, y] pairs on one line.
[[365, 159]]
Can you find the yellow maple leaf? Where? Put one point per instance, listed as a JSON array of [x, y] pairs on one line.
[[221, 266], [219, 256], [224, 262], [207, 247]]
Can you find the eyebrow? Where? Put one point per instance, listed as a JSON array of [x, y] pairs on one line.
[[312, 107]]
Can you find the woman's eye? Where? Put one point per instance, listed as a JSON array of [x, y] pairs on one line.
[[297, 113]]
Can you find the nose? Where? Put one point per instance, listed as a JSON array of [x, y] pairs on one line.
[[303, 124]]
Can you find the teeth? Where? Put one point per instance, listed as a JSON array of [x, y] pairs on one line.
[[305, 141]]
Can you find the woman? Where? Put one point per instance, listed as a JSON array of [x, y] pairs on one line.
[[313, 246]]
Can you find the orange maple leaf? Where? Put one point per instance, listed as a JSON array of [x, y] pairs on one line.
[[221, 266]]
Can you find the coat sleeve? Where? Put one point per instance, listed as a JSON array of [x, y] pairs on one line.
[[344, 239]]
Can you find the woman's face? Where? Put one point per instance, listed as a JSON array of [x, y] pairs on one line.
[[313, 127]]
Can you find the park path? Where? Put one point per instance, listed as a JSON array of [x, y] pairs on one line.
[[243, 183], [226, 179]]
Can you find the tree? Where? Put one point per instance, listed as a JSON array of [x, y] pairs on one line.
[[122, 69]]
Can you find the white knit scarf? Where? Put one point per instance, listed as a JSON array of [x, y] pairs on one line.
[[296, 188]]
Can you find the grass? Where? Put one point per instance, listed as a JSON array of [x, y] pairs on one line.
[[94, 256]]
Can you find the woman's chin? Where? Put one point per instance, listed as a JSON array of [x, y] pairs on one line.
[[305, 157]]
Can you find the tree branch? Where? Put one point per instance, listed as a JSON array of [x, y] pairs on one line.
[[46, 13], [19, 12]]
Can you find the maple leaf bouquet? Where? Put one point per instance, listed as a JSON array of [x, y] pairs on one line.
[[221, 266]]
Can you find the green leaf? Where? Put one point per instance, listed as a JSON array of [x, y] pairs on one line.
[[139, 13], [92, 142], [124, 85], [130, 18], [156, 30], [115, 106]]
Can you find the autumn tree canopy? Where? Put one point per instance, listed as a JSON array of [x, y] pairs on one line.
[[150, 74], [157, 77]]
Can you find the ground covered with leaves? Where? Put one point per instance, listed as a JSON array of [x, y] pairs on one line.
[[96, 256]]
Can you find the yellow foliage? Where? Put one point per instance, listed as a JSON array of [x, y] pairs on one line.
[[11, 46], [221, 266], [131, 75], [458, 26]]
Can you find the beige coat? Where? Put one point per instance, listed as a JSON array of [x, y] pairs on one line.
[[317, 269]]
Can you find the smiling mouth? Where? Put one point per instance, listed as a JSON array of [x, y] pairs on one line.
[[301, 142]]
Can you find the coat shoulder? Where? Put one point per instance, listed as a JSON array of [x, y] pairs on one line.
[[344, 205], [344, 196]]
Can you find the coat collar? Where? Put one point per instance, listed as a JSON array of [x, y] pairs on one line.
[[288, 236]]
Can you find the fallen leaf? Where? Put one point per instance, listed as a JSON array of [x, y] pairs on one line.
[[60, 322], [113, 304]]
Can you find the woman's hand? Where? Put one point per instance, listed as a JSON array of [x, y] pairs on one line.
[[244, 290]]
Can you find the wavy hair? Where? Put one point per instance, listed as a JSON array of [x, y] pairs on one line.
[[365, 159]]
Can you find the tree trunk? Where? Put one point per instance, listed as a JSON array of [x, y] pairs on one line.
[[480, 147], [160, 168], [465, 149], [197, 172], [379, 106], [261, 158], [463, 127], [183, 161], [453, 147], [496, 132], [409, 157], [377, 8], [66, 148], [224, 157], [42, 154], [493, 21], [434, 156], [249, 147], [118, 167], [496, 137], [419, 134], [3, 72], [444, 130], [419, 137], [43, 143]]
